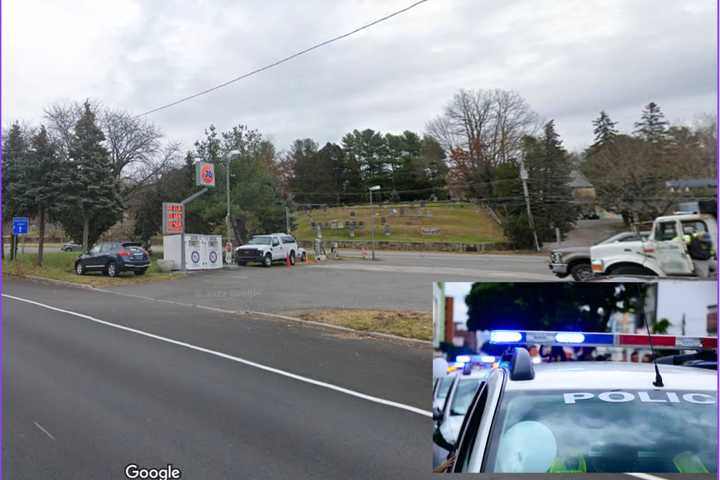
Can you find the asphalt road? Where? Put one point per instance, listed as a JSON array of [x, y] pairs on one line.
[[82, 398], [398, 280]]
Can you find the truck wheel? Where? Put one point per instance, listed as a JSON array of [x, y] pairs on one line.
[[292, 258], [303, 257], [631, 270], [267, 260], [581, 272]]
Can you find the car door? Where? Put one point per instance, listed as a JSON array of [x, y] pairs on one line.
[[278, 252], [670, 251], [91, 259]]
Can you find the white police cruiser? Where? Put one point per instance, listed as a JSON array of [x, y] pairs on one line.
[[584, 417]]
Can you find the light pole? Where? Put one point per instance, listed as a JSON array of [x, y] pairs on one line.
[[372, 189], [228, 157]]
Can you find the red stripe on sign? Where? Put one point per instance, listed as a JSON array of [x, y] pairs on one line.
[[709, 342], [664, 341]]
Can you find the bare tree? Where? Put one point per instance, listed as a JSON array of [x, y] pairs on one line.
[[482, 129], [135, 145]]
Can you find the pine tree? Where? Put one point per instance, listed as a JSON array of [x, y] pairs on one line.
[[41, 186], [91, 201], [652, 126], [604, 130], [15, 151]]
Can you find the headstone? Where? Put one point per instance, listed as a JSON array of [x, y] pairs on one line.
[[386, 229]]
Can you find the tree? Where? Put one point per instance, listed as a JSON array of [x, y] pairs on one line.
[[40, 190], [652, 126], [551, 198], [312, 181], [551, 306], [368, 150], [91, 201], [15, 150], [482, 129], [604, 130]]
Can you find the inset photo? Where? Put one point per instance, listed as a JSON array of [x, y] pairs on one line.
[[614, 378]]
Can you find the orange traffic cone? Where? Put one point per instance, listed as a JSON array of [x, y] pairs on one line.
[[287, 260]]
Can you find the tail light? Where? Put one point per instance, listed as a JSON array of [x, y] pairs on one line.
[[123, 253]]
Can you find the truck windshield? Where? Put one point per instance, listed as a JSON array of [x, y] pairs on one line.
[[611, 431], [260, 240]]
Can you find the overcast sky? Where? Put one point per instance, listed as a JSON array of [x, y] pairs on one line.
[[569, 59]]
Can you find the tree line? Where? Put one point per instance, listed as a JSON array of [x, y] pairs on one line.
[[89, 167]]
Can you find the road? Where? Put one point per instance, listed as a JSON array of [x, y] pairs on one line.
[[94, 381], [398, 280]]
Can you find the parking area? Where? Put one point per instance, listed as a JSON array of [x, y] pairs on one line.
[[397, 280]]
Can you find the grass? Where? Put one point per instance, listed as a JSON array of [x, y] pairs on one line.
[[60, 266], [403, 323], [456, 223]]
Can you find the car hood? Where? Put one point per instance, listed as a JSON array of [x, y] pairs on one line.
[[572, 250], [253, 247]]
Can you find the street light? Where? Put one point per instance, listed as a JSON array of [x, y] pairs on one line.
[[374, 188], [228, 157]]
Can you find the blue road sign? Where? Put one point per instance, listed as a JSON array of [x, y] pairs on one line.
[[20, 225]]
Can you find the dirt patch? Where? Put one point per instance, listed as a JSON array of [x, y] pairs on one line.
[[403, 323]]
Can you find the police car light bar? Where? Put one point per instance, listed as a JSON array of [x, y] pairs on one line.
[[586, 339]]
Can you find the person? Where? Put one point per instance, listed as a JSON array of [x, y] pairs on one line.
[[634, 357], [700, 248], [228, 253]]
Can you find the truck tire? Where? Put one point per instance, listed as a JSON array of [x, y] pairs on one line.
[[292, 257], [631, 270], [581, 272], [267, 260]]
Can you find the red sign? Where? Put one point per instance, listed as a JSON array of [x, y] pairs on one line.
[[173, 218], [204, 174]]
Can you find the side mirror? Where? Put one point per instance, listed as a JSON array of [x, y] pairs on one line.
[[441, 441]]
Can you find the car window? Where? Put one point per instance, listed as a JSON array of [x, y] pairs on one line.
[[275, 242], [605, 431], [260, 240], [665, 231], [95, 250], [288, 239], [443, 388], [691, 227], [464, 393]]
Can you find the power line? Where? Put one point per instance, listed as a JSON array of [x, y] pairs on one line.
[[283, 60]]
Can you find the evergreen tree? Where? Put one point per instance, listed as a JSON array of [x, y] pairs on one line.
[[91, 201], [40, 190], [15, 149], [652, 126], [604, 130]]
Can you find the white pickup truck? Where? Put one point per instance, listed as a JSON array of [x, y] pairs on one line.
[[266, 249], [663, 253]]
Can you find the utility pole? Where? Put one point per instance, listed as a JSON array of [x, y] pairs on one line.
[[531, 222], [287, 220], [228, 157], [372, 189]]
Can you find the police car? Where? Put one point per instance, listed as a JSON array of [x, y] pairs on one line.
[[583, 417]]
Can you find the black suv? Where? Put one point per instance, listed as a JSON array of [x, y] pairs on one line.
[[111, 258]]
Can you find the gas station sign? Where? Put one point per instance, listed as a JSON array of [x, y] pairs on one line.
[[204, 174], [173, 218]]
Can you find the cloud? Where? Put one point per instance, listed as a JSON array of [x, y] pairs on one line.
[[569, 59]]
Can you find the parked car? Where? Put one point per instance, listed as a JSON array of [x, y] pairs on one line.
[[266, 249], [112, 258], [71, 247], [576, 261]]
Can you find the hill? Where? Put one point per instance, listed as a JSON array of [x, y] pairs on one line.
[[402, 222]]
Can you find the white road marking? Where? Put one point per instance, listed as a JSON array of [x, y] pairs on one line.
[[40, 427], [233, 358], [645, 476]]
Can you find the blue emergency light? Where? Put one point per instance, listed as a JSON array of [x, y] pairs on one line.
[[580, 339]]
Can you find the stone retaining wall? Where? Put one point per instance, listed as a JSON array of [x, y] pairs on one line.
[[413, 246]]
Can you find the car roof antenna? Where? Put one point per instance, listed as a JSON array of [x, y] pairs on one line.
[[658, 378]]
